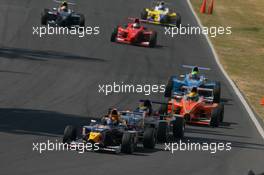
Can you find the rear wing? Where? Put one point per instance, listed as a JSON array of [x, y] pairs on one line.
[[202, 91], [154, 102], [191, 67], [130, 112], [60, 2]]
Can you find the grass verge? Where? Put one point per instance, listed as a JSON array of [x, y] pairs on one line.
[[242, 52]]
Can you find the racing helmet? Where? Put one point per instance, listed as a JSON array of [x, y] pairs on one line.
[[114, 116], [194, 73], [64, 3], [162, 5], [193, 92], [136, 23], [195, 70]]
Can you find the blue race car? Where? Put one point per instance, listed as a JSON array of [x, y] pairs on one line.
[[177, 86]]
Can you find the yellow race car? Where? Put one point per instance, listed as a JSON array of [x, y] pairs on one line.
[[161, 15]]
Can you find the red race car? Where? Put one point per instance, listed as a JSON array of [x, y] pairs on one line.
[[197, 109], [134, 33]]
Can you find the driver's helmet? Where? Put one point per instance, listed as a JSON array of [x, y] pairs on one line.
[[194, 73], [162, 5], [193, 94], [64, 4], [146, 107], [136, 23], [114, 115]]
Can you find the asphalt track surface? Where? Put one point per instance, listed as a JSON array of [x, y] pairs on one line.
[[47, 83]]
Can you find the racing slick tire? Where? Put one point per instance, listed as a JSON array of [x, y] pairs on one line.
[[149, 138], [144, 14], [162, 133], [44, 17], [215, 118], [127, 145], [114, 35], [217, 92], [165, 20], [168, 89], [178, 127], [153, 39], [70, 134], [82, 20], [221, 111], [178, 20]]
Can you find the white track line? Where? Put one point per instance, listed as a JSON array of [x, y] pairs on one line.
[[238, 93]]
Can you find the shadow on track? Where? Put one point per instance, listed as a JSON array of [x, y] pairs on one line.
[[37, 122], [13, 72], [227, 101], [47, 123], [38, 55]]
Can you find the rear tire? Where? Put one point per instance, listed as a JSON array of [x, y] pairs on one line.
[[215, 118], [162, 132], [217, 92], [153, 40], [178, 127], [127, 145], [149, 140], [70, 134]]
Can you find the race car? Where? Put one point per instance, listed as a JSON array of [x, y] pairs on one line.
[[160, 14], [196, 109], [193, 79], [115, 137], [169, 125], [135, 34], [62, 17]]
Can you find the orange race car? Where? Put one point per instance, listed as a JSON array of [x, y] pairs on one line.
[[196, 109]]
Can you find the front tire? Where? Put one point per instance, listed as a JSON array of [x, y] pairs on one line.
[[164, 20], [149, 138], [44, 17], [221, 111], [153, 40], [82, 20], [114, 35], [144, 14], [127, 145], [178, 20], [162, 133], [178, 127]]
